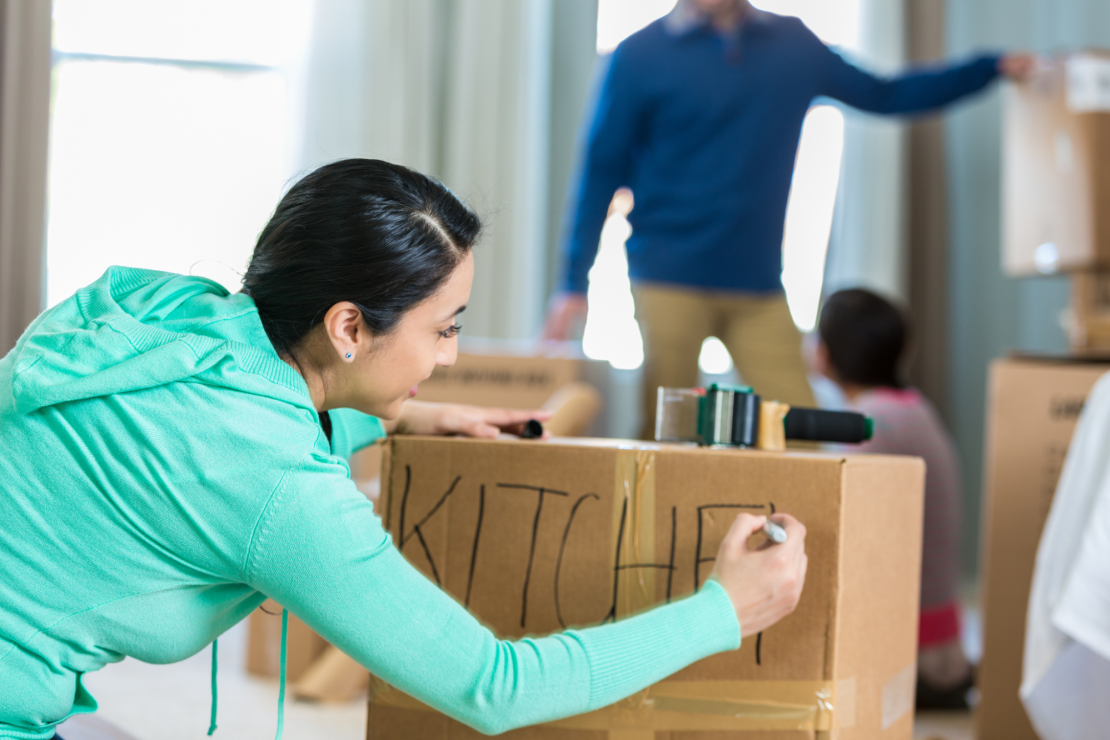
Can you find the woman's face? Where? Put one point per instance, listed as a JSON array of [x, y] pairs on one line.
[[387, 375]]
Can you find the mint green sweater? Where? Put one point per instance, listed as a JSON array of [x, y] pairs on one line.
[[163, 471]]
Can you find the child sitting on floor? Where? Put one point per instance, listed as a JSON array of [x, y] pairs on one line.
[[862, 338]]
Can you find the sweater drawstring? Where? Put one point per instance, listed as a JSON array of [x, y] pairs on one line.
[[212, 722], [281, 686]]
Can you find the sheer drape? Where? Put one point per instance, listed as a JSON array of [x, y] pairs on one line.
[[462, 90], [24, 127]]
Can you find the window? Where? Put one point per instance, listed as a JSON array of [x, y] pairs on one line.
[[168, 134], [809, 212]]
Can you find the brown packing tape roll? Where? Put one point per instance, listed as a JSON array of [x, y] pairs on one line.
[[696, 705]]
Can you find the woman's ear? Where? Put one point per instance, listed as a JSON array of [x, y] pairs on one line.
[[346, 331]]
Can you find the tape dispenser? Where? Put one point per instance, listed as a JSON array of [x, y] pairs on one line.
[[735, 416]]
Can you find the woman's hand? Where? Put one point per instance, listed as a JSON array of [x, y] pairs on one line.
[[418, 417], [764, 581]]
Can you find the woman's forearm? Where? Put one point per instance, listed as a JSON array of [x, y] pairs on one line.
[[324, 556]]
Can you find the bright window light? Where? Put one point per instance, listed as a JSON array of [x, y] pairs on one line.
[[809, 212], [611, 331], [264, 32], [619, 19], [810, 209], [161, 165], [714, 358]]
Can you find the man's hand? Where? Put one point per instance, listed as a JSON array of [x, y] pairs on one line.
[[1017, 67], [418, 417], [564, 312], [765, 581]]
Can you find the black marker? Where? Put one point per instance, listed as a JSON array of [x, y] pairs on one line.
[[532, 430]]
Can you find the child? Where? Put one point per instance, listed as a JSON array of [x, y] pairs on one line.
[[862, 338]]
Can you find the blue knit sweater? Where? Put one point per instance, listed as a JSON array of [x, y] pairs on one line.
[[704, 128]]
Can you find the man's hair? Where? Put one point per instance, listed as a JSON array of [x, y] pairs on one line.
[[865, 336]]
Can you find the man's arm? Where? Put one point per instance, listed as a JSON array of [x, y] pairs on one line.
[[916, 91]]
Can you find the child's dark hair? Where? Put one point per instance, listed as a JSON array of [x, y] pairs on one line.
[[865, 336], [379, 235]]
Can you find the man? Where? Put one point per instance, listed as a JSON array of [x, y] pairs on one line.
[[700, 115]]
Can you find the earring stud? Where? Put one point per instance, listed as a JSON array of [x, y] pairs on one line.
[[348, 355]]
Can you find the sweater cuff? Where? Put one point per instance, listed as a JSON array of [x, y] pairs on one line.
[[632, 654], [988, 65]]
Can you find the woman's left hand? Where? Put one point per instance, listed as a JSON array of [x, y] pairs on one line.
[[420, 417]]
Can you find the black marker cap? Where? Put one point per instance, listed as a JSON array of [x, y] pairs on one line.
[[532, 430]]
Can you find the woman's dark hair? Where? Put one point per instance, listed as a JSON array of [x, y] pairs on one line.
[[376, 234], [865, 336]]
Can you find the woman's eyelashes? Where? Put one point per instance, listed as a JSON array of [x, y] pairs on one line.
[[451, 331]]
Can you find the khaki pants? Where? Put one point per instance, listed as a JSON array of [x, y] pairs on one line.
[[757, 330]]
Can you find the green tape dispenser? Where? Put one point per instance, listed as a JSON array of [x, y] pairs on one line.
[[735, 416]]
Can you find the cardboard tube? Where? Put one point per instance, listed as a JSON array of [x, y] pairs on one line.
[[772, 427], [574, 406], [332, 677]]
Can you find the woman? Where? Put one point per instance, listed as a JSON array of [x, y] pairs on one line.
[[167, 466]]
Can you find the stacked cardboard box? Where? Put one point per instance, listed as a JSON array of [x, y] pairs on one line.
[[536, 537], [1032, 409], [1056, 169], [1056, 186], [502, 380]]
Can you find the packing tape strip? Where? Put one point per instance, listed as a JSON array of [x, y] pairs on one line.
[[695, 705], [634, 529]]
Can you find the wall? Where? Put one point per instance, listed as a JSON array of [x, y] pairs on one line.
[[990, 314]]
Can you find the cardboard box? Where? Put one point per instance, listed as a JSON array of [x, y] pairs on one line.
[[1088, 324], [303, 646], [1032, 408], [1056, 168], [536, 537], [496, 374], [502, 380]]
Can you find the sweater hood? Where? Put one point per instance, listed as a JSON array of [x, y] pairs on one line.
[[137, 329]]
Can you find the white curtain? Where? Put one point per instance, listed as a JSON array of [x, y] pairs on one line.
[[24, 126], [459, 89], [867, 246]]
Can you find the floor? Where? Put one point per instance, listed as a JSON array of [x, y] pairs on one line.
[[173, 703], [943, 726]]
